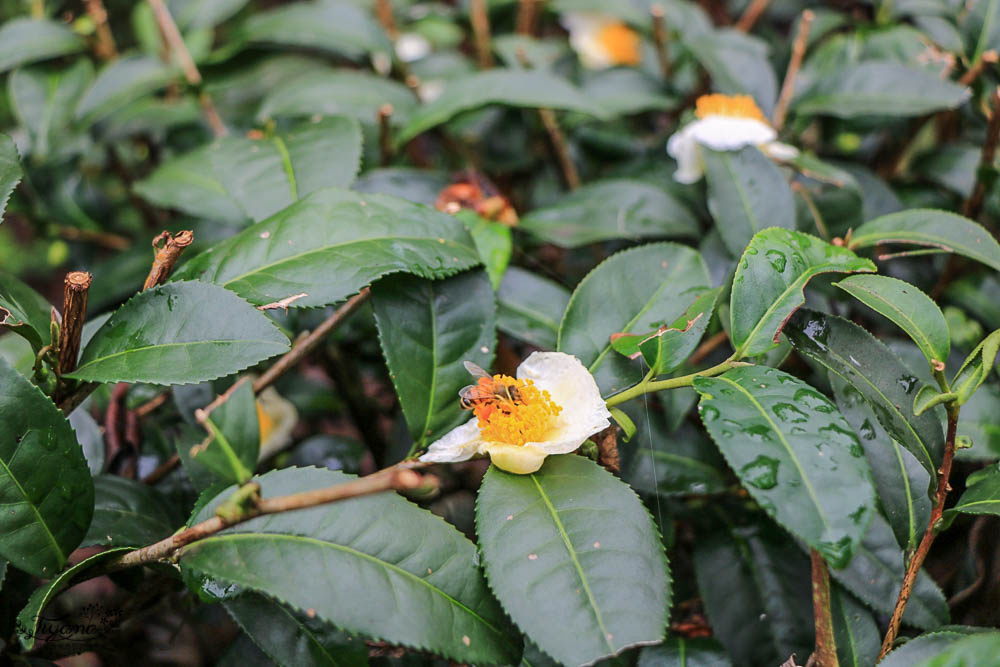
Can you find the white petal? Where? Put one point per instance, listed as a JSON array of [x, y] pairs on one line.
[[572, 387], [779, 151], [412, 46], [584, 30], [459, 444], [725, 133], [683, 148]]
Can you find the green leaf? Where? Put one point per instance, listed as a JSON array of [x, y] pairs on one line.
[[510, 87], [494, 243], [900, 481], [266, 175], [980, 26], [292, 639], [611, 209], [45, 485], [25, 40], [179, 333], [25, 311], [769, 283], [795, 454], [128, 513], [982, 493], [330, 245], [548, 549], [880, 377], [881, 89], [978, 649], [909, 308], [28, 619], [746, 193], [232, 453], [348, 92], [929, 227], [123, 81], [929, 396], [91, 439], [855, 632], [875, 575], [530, 307], [428, 329], [624, 422], [193, 14], [625, 91], [640, 289], [668, 463], [683, 652], [10, 171], [736, 62], [976, 368], [412, 579], [923, 647], [43, 101], [187, 183]]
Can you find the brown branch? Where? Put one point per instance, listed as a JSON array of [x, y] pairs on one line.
[[174, 43], [385, 134], [75, 289], [751, 14], [826, 648], [104, 48], [913, 567], [974, 203], [167, 255], [988, 58], [798, 53], [660, 40], [383, 12], [527, 14], [607, 449], [152, 404], [560, 147], [104, 239], [480, 19], [162, 470]]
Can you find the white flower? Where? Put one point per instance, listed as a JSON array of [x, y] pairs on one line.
[[276, 417], [601, 41], [558, 407], [724, 123], [412, 46]]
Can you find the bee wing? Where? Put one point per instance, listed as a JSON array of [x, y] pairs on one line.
[[476, 370], [466, 391]]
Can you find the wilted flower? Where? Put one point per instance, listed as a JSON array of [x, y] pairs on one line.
[[276, 417], [557, 407], [601, 41], [724, 123]]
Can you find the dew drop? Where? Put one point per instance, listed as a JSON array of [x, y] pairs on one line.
[[761, 473], [709, 413], [777, 260], [789, 414]]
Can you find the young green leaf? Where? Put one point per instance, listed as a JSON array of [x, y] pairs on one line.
[[932, 228], [232, 452], [976, 368], [25, 311], [530, 307], [26, 40], [794, 453], [880, 377], [10, 171], [982, 493], [412, 579], [769, 283], [266, 175], [128, 513], [45, 485], [639, 289], [909, 308], [179, 333], [624, 422], [494, 243], [746, 193], [427, 330], [548, 546], [331, 244], [929, 396]]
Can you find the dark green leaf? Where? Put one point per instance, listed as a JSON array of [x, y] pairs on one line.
[[881, 378], [25, 311], [548, 549], [411, 578], [976, 368], [530, 307], [45, 485], [678, 463], [25, 40], [128, 513], [330, 245], [794, 453], [232, 452], [909, 308], [348, 92], [191, 14], [746, 193], [427, 330], [611, 209], [922, 648], [928, 227], [91, 439], [981, 27], [266, 175], [510, 87], [856, 634], [682, 652], [43, 101], [121, 82], [179, 333], [623, 91], [769, 283], [640, 289], [982, 493], [978, 649], [10, 171], [420, 186]]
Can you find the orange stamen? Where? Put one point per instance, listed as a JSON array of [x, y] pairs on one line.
[[529, 419], [735, 106], [621, 43]]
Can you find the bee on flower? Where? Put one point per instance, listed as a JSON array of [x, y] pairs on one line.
[[552, 407], [723, 123], [602, 41]]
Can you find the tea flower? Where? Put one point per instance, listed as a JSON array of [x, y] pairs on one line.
[[276, 418], [601, 41], [558, 407], [724, 123]]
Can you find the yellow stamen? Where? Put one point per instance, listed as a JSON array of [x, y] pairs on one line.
[[735, 106], [528, 419], [621, 43]]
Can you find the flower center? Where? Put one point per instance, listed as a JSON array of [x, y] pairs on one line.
[[734, 106], [621, 43], [527, 418]]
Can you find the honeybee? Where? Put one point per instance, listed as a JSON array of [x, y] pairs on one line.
[[485, 392]]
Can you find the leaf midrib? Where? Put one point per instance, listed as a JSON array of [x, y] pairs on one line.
[[28, 501], [920, 238], [164, 345]]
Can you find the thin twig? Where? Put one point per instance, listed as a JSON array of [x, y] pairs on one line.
[[383, 12], [152, 404], [480, 19], [974, 203], [74, 312], [913, 567], [988, 58], [813, 210], [168, 251], [826, 648], [527, 13], [560, 147], [385, 134], [104, 239], [751, 14], [660, 40], [798, 53], [162, 470], [104, 48], [174, 42]]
